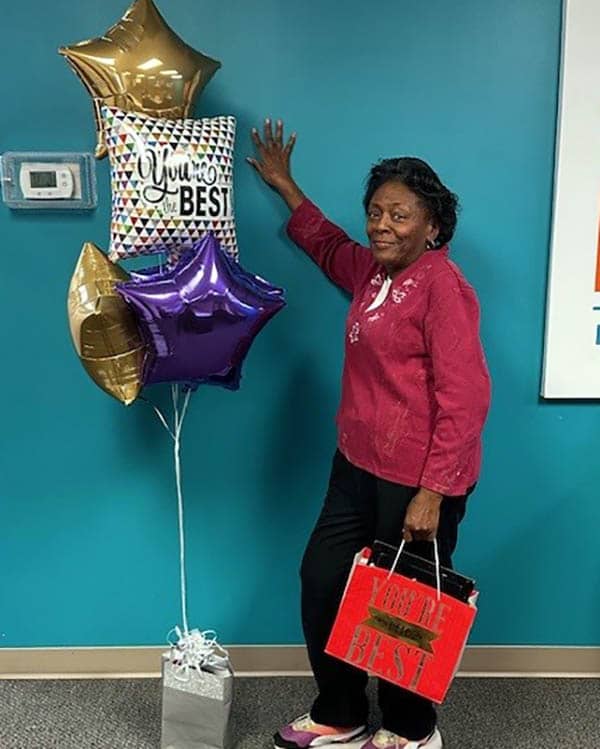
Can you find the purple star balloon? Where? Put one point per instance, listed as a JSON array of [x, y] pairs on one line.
[[201, 316]]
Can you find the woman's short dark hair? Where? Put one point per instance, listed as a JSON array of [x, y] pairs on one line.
[[419, 177]]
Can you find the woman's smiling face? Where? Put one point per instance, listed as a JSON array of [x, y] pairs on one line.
[[398, 226]]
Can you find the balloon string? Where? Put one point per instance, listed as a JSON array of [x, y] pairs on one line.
[[179, 417], [175, 433], [158, 412]]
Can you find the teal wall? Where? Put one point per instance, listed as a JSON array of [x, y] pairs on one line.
[[88, 541]]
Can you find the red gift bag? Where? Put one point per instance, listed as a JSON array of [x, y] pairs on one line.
[[400, 629]]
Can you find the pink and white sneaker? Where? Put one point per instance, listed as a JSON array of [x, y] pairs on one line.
[[304, 732], [383, 739]]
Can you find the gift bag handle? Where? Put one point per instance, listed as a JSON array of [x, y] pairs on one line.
[[436, 554]]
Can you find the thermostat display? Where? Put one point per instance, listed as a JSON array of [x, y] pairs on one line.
[[42, 179], [46, 181]]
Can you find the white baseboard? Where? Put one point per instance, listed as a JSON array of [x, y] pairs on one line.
[[283, 660]]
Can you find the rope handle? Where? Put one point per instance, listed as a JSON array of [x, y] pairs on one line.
[[436, 553]]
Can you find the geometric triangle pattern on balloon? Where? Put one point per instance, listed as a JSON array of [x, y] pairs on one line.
[[172, 183]]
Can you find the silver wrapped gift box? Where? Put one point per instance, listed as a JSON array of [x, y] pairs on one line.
[[195, 707]]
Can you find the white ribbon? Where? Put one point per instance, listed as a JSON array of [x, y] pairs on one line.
[[192, 651], [179, 412], [179, 417], [195, 651]]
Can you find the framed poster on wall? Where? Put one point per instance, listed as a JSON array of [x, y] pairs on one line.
[[572, 340]]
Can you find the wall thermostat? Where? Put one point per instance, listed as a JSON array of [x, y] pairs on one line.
[[43, 181]]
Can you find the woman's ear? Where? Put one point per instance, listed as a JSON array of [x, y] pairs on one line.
[[433, 233]]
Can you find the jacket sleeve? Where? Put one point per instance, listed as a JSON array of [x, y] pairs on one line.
[[346, 262], [461, 384]]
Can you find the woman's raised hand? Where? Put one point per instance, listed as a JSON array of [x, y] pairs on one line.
[[273, 162]]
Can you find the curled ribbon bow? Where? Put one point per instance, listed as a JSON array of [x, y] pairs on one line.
[[193, 651]]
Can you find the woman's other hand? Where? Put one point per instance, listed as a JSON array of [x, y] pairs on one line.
[[273, 162], [422, 516]]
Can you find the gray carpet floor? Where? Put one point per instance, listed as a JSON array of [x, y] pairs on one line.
[[125, 714]]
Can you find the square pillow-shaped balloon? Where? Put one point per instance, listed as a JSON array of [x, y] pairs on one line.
[[172, 182]]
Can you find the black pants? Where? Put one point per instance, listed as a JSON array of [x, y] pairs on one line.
[[358, 509]]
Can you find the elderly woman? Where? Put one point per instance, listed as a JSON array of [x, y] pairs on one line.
[[415, 395]]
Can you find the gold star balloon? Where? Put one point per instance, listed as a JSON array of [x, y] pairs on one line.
[[104, 329], [140, 65]]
